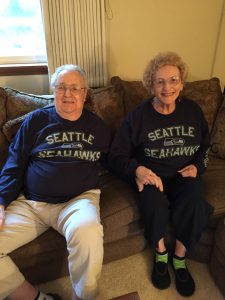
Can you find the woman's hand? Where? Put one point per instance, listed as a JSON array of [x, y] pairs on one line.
[[2, 216], [189, 171], [145, 176]]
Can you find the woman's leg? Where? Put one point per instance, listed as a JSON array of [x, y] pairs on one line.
[[189, 216], [189, 210], [154, 209]]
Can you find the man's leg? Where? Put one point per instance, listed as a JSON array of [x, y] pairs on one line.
[[79, 222], [21, 226]]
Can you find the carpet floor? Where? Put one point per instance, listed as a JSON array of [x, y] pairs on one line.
[[132, 274]]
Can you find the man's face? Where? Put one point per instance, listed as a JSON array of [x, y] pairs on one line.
[[70, 93]]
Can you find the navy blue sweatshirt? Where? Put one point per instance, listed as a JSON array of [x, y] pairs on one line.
[[52, 159], [162, 143]]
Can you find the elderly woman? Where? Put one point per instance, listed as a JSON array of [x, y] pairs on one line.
[[163, 145]]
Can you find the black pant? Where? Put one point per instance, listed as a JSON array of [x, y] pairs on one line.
[[182, 201]]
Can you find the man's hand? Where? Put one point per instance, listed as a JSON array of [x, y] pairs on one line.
[[189, 171], [2, 216], [145, 176]]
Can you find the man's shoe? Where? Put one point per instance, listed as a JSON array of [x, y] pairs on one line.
[[185, 284], [160, 275], [54, 296]]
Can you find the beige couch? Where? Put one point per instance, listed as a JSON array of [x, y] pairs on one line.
[[45, 258]]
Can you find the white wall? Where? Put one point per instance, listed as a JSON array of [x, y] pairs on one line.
[[219, 65], [34, 84], [139, 29]]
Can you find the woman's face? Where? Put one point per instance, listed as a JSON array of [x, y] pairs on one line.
[[167, 84]]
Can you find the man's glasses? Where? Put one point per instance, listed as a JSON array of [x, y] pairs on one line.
[[61, 89], [172, 81]]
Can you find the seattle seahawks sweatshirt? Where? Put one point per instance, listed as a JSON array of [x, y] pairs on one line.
[[162, 143], [52, 159]]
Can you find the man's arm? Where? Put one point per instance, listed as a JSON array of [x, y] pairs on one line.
[[11, 177], [2, 216]]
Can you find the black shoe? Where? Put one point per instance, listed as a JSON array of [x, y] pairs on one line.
[[54, 296], [184, 282], [160, 275]]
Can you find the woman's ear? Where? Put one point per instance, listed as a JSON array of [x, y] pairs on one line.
[[182, 86]]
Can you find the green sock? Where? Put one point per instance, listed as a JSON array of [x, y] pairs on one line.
[[161, 257], [179, 262]]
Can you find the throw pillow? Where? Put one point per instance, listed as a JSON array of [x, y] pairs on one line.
[[3, 97], [107, 103], [10, 127], [3, 141], [133, 92], [19, 103], [208, 94], [218, 134]]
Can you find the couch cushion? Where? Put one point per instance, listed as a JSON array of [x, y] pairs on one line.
[[107, 103], [112, 235], [208, 94], [213, 179], [218, 134], [217, 263], [19, 103], [118, 202]]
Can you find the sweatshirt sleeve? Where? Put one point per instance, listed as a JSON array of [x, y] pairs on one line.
[[120, 156], [201, 156], [11, 177]]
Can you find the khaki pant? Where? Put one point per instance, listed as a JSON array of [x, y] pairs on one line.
[[77, 220]]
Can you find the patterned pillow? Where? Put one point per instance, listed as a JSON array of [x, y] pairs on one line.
[[133, 92], [107, 103], [3, 141], [218, 134], [10, 127], [208, 95], [19, 103], [3, 97]]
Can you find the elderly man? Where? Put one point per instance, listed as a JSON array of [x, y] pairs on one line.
[[50, 180]]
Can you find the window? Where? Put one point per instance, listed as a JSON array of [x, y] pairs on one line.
[[21, 32]]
